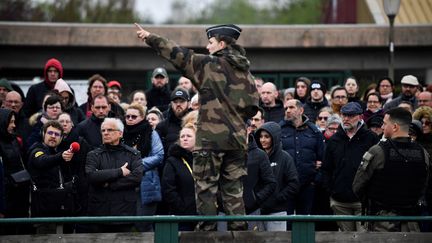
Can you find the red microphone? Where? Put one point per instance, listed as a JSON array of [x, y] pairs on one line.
[[74, 147]]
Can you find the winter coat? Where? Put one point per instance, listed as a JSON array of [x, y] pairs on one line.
[[342, 158], [150, 146], [305, 144], [111, 193], [178, 185], [44, 165], [275, 113], [311, 109], [89, 129], [260, 183], [15, 196], [169, 130], [284, 170], [226, 88], [396, 101], [159, 97]]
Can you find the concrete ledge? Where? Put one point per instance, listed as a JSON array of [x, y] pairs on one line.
[[226, 237], [253, 36]]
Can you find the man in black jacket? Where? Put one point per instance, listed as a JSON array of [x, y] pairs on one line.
[[394, 174], [316, 100], [342, 157], [169, 128], [45, 167], [89, 129], [114, 173], [159, 94], [270, 102]]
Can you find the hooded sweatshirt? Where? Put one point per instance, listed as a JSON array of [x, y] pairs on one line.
[[284, 170], [37, 91], [76, 114]]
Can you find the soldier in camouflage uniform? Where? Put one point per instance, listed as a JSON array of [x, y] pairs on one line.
[[228, 97]]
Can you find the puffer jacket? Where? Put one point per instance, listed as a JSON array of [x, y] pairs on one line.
[[305, 144]]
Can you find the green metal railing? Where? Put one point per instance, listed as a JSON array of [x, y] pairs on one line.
[[166, 230]]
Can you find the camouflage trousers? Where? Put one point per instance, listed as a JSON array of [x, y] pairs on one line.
[[214, 170]]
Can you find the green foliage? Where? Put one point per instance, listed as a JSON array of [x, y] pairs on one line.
[[81, 11], [276, 12]]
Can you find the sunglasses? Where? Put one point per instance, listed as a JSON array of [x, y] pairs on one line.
[[52, 133], [323, 118], [133, 117]]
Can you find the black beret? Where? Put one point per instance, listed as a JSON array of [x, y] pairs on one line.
[[375, 121], [224, 29]]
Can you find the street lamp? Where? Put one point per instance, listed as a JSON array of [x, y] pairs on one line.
[[391, 8]]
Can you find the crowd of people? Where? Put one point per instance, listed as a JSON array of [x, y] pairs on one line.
[[221, 142]]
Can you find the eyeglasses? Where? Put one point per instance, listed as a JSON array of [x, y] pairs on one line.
[[340, 97], [133, 117], [385, 85], [322, 118], [423, 101], [373, 102], [426, 123], [54, 107], [108, 130], [52, 133]]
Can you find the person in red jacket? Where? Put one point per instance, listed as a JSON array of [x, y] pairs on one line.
[[52, 72]]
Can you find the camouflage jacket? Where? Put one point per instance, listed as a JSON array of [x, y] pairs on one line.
[[227, 92]]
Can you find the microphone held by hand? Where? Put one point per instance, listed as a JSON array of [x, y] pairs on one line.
[[74, 147]]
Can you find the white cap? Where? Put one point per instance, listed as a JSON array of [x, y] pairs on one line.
[[410, 80]]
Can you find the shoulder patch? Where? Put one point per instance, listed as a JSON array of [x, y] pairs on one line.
[[367, 157], [39, 153]]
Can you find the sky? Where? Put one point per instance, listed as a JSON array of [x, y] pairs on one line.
[[160, 10]]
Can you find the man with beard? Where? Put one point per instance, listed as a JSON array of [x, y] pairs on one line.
[[409, 89], [342, 157], [305, 143], [316, 100], [159, 94], [273, 107], [169, 129]]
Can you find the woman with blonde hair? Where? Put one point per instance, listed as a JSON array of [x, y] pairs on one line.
[[178, 185]]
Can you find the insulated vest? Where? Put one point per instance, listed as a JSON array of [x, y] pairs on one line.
[[400, 184]]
